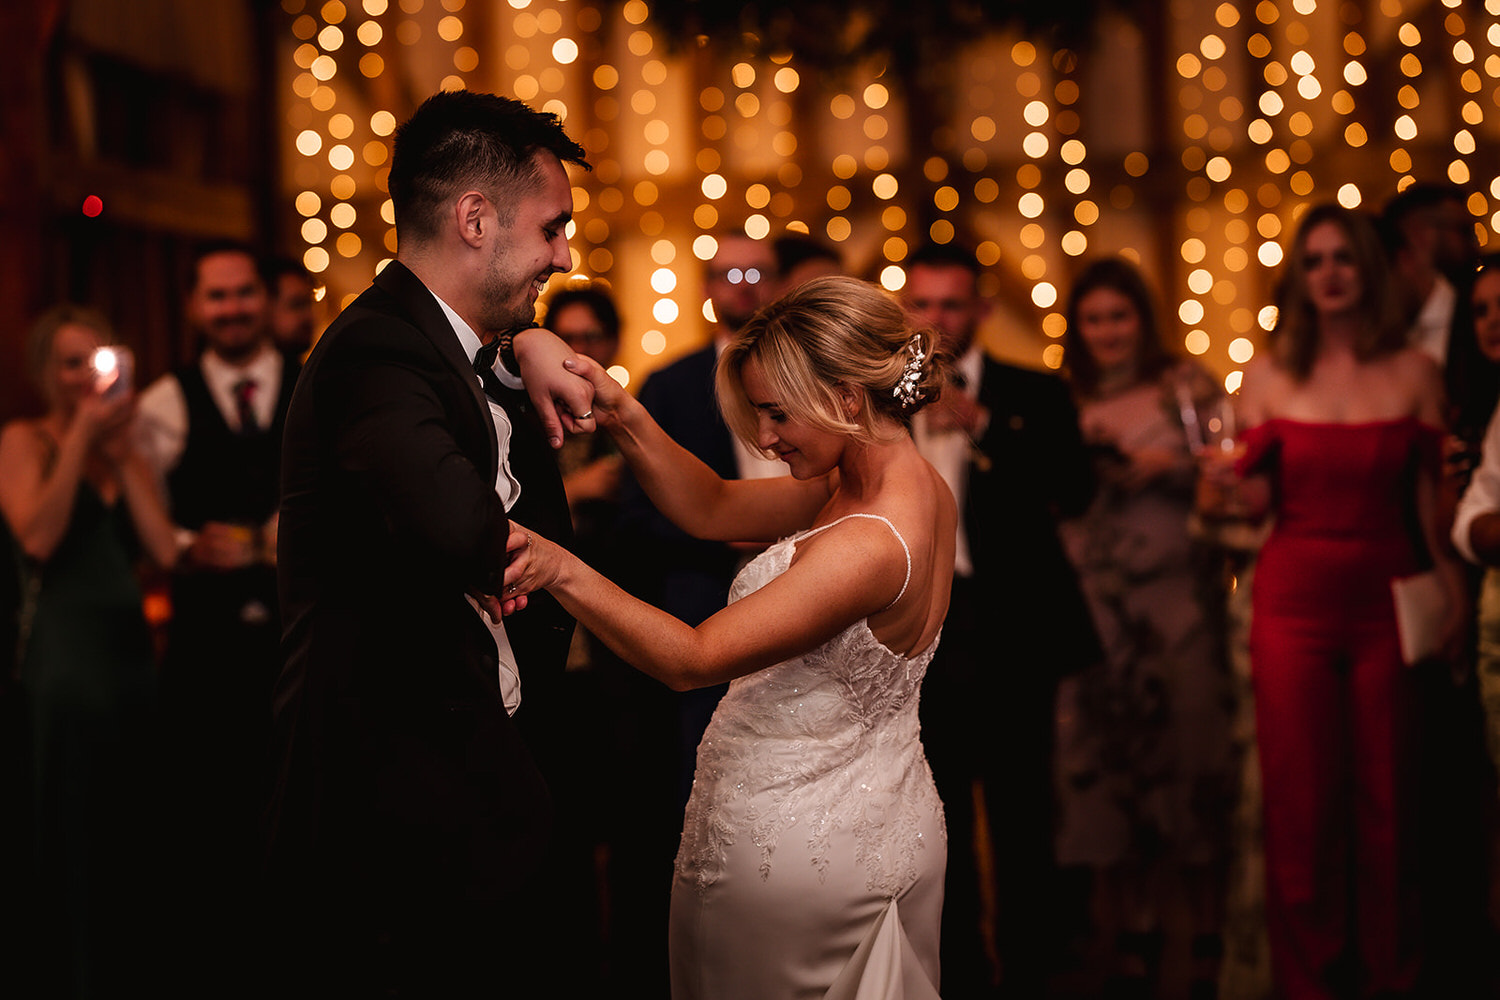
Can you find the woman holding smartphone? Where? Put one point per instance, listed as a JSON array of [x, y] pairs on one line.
[[83, 508]]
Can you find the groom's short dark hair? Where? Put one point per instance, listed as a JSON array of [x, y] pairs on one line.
[[459, 140]]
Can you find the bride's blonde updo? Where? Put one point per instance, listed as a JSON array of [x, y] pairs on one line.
[[825, 335]]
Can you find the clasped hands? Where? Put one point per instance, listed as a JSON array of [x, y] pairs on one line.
[[562, 394], [529, 557], [566, 389]]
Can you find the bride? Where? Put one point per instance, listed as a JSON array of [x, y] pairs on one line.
[[811, 862]]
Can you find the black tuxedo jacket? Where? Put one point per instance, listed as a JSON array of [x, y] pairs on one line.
[[399, 777], [1034, 471]]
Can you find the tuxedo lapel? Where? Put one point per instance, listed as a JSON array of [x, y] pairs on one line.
[[422, 308]]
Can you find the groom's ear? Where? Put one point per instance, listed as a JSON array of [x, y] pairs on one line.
[[474, 216]]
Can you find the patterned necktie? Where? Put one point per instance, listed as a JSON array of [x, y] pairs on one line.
[[244, 405], [484, 366]]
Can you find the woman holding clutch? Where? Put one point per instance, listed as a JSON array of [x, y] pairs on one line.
[[1345, 424]]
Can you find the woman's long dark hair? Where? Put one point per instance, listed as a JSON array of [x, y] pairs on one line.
[[1472, 380], [1294, 339], [1117, 274]]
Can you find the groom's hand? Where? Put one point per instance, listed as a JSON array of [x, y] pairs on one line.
[[563, 400], [496, 608]]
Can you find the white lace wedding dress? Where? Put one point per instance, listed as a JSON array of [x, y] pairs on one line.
[[812, 854]]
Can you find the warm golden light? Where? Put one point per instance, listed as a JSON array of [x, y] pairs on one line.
[[1035, 145]]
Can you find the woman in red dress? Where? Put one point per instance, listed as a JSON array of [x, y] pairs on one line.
[[1344, 430]]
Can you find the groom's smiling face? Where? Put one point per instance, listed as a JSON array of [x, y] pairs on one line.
[[530, 244]]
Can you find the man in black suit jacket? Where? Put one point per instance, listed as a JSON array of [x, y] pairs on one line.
[[408, 823], [1007, 441]]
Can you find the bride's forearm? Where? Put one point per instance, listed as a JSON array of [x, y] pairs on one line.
[[646, 637], [681, 486]]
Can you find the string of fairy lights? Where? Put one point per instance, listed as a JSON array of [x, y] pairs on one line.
[[1271, 105]]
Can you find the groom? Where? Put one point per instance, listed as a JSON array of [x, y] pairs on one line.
[[408, 822]]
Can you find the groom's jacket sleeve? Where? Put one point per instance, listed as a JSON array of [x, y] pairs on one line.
[[395, 436]]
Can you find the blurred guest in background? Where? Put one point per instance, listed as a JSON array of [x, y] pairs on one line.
[[212, 429], [1430, 242], [691, 577], [83, 507], [1472, 371], [293, 304], [1461, 811], [584, 316], [1145, 759], [688, 578], [1344, 428], [1006, 441], [1476, 525], [588, 741], [1473, 472], [801, 258]]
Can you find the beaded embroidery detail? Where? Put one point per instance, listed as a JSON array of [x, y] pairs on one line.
[[822, 744]]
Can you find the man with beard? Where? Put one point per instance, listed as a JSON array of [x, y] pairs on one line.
[[212, 429], [408, 827], [692, 577], [293, 308], [1429, 236]]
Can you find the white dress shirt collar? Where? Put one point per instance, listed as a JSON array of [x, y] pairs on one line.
[[509, 490], [469, 341], [221, 376]]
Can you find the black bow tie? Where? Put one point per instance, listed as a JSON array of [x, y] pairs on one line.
[[484, 366]]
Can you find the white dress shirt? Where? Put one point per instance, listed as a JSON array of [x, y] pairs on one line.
[[1483, 493], [162, 413], [509, 490], [162, 408], [1429, 332]]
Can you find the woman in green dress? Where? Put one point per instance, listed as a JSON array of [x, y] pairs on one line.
[[83, 507]]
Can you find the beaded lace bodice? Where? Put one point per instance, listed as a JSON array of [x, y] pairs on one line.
[[813, 751]]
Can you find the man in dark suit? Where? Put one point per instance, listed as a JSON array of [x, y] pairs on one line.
[[408, 825], [211, 430], [689, 577], [1006, 439]]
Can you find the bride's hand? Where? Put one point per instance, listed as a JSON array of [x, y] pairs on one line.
[[611, 401], [564, 401], [534, 564]]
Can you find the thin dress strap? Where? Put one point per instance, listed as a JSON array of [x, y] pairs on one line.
[[904, 548]]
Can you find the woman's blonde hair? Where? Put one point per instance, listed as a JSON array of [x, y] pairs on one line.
[[831, 334], [44, 333]]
